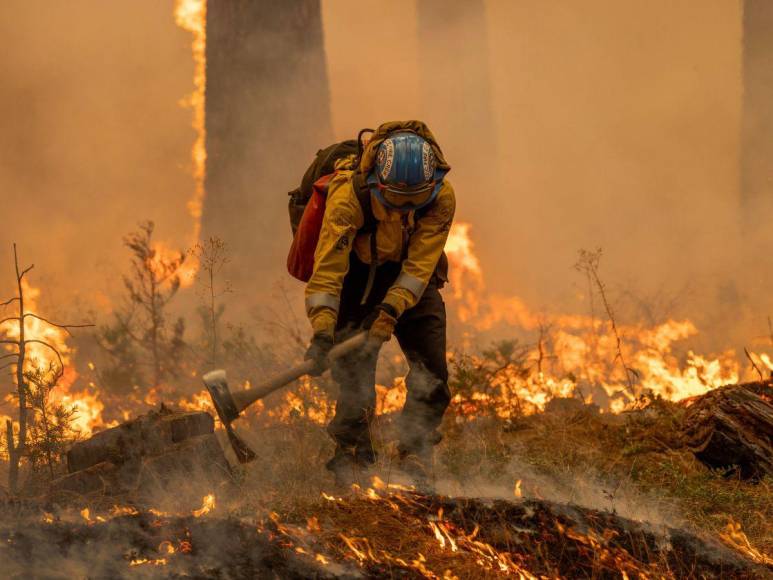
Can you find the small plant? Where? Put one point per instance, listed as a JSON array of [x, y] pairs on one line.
[[51, 423], [212, 257], [141, 329], [588, 263]]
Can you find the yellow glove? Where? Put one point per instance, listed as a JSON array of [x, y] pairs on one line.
[[380, 324]]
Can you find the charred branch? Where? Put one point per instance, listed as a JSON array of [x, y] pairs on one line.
[[66, 327]]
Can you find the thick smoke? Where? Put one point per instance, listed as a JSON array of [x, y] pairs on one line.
[[569, 126], [93, 138], [615, 125]]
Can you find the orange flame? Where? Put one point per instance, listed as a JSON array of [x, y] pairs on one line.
[[191, 15], [736, 538], [582, 348], [87, 406], [208, 504]]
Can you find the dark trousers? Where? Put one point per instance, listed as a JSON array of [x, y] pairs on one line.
[[421, 333]]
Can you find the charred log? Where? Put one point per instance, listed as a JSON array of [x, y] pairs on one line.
[[159, 456], [733, 427]]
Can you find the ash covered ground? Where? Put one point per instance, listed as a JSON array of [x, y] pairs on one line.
[[566, 493]]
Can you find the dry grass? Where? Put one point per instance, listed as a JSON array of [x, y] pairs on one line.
[[633, 465]]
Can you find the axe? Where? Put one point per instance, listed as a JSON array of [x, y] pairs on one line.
[[230, 404]]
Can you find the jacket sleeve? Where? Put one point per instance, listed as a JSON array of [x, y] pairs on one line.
[[342, 219], [424, 250]]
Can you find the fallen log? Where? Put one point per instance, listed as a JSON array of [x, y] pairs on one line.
[[732, 427], [163, 456]]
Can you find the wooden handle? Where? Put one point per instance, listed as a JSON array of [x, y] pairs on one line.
[[244, 399]]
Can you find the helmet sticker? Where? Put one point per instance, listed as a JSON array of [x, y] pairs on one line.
[[386, 156], [428, 161]]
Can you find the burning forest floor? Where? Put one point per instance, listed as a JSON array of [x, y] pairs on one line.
[[566, 493]]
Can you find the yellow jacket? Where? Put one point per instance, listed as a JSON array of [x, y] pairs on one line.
[[426, 238]]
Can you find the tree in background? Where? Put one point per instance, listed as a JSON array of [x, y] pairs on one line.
[[212, 256], [141, 329], [28, 399], [268, 112]]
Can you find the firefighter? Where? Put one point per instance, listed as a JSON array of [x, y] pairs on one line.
[[385, 278]]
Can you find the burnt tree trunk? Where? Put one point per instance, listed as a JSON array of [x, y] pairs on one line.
[[757, 128], [457, 104], [268, 112], [733, 426]]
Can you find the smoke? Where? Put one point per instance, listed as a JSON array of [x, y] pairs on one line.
[[570, 126], [93, 138], [613, 125]]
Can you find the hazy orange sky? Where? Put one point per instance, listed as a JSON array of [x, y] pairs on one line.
[[616, 125]]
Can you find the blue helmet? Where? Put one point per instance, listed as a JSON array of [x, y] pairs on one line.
[[406, 176]]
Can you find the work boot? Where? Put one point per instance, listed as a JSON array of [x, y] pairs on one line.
[[347, 469], [417, 463]]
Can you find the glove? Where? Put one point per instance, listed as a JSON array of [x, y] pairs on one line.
[[320, 346], [380, 323]]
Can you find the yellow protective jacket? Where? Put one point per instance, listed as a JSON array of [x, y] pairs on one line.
[[425, 238], [343, 218]]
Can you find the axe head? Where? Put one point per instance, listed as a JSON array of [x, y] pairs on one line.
[[217, 385]]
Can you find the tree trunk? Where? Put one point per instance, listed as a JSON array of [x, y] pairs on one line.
[[733, 426], [267, 115], [457, 104], [13, 460], [757, 128], [15, 452]]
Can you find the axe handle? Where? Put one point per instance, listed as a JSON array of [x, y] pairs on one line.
[[246, 398]]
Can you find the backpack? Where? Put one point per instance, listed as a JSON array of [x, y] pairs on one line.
[[307, 209], [307, 205]]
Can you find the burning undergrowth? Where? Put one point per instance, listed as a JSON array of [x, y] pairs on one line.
[[569, 415], [132, 543], [383, 531]]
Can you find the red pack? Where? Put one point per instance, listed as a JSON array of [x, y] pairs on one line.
[[300, 260]]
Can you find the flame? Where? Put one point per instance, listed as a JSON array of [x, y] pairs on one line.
[[446, 535], [87, 406], [117, 511], [191, 15], [164, 253], [208, 504], [466, 274], [582, 349], [153, 562], [36, 329], [736, 538]]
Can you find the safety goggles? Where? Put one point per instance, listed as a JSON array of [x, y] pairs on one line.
[[405, 198]]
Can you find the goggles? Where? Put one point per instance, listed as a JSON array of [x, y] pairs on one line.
[[405, 198]]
